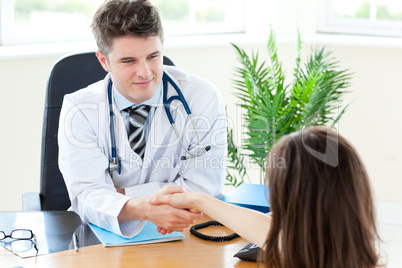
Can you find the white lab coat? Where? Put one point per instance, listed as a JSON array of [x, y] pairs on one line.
[[85, 150]]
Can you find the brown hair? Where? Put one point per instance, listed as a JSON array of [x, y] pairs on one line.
[[322, 205], [117, 18]]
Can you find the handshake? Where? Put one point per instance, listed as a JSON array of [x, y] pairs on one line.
[[173, 209]]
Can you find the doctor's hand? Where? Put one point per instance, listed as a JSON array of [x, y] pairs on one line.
[[120, 191]]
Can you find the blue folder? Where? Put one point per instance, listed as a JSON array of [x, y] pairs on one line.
[[253, 196], [148, 235]]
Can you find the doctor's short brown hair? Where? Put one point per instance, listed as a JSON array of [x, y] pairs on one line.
[[118, 18]]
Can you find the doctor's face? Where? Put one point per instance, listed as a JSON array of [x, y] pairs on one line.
[[135, 65]]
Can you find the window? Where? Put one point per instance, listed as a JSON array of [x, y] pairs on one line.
[[189, 17], [39, 21], [365, 17]]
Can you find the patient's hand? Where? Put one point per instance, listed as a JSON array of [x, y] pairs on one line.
[[165, 191], [176, 197]]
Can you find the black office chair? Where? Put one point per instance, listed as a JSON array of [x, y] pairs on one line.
[[68, 75]]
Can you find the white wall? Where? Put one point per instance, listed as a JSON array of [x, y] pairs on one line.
[[372, 122]]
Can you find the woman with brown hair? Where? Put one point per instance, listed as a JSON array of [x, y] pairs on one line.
[[321, 201]]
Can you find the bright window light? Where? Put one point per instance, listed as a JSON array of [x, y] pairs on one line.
[[189, 17], [44, 21], [364, 17]]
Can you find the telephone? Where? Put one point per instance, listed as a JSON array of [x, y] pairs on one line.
[[248, 253]]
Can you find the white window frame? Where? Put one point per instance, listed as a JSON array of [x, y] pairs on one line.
[[5, 15], [328, 23]]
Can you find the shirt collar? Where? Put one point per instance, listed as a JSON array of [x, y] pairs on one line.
[[123, 103]]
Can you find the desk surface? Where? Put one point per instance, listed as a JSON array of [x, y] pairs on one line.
[[190, 252]]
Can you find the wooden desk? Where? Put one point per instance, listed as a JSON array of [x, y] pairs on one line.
[[190, 252]]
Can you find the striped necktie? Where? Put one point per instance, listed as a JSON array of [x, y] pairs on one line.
[[136, 135]]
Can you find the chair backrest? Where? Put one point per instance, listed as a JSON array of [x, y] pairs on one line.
[[69, 74]]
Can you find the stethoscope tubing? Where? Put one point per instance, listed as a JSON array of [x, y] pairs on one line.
[[115, 163], [166, 104]]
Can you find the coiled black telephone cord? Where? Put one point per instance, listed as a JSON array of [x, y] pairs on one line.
[[194, 231]]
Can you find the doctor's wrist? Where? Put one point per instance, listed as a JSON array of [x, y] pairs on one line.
[[121, 191], [133, 209]]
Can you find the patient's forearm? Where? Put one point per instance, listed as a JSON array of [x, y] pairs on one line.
[[249, 224]]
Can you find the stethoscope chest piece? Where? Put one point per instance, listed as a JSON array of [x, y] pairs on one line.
[[115, 164]]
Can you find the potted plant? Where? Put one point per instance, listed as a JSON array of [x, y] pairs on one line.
[[272, 108]]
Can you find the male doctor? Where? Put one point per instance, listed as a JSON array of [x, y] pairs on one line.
[[129, 36]]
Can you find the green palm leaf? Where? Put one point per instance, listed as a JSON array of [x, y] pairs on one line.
[[273, 109]]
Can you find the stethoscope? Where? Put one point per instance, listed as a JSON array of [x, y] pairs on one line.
[[115, 163]]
